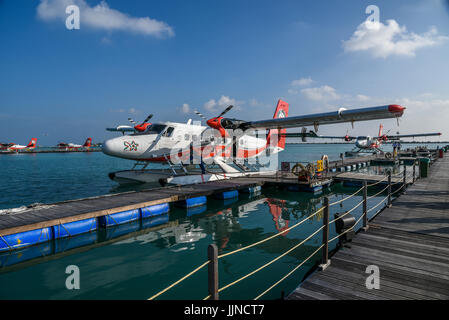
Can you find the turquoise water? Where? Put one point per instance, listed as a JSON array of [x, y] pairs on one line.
[[135, 261]]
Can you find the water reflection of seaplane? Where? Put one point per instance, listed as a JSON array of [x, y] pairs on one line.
[[198, 153], [364, 143], [16, 147]]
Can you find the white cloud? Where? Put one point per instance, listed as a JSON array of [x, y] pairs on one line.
[[222, 103], [103, 17], [323, 93], [185, 108], [302, 82], [361, 97], [383, 40]]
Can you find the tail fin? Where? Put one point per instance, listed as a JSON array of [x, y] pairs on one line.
[[380, 130], [274, 138], [32, 143], [88, 143]]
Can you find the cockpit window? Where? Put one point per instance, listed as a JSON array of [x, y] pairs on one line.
[[169, 132], [153, 129]]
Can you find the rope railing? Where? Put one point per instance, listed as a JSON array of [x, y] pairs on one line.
[[375, 195], [324, 246], [272, 261], [373, 184], [344, 199], [289, 273], [180, 280], [271, 237]]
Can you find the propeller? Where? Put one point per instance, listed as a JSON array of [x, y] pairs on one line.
[[220, 123], [200, 115], [144, 121]]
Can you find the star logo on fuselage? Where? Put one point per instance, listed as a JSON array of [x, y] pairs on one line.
[[130, 146]]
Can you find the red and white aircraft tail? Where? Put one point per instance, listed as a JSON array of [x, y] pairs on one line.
[[276, 137], [88, 143]]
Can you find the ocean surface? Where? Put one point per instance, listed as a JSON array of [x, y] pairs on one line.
[[136, 260]]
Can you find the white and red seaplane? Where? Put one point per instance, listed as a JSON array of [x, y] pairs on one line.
[[224, 149], [17, 147], [366, 143]]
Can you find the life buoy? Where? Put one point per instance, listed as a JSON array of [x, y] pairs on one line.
[[300, 173], [325, 160]]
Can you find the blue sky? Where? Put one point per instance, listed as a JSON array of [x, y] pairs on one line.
[[64, 85]]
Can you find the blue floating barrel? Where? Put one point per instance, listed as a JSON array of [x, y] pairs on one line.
[[196, 210], [81, 240], [251, 189], [348, 168], [341, 169], [24, 239], [227, 194], [17, 256], [122, 229], [154, 210], [73, 228], [154, 221], [334, 170], [119, 218], [192, 202], [354, 166]]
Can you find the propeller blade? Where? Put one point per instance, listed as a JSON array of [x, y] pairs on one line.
[[148, 118], [200, 115], [225, 111]]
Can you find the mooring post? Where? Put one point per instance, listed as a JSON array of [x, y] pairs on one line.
[[325, 262], [389, 189], [365, 213], [212, 255], [414, 171], [404, 183]]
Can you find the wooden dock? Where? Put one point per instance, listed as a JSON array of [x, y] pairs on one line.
[[75, 210], [408, 242]]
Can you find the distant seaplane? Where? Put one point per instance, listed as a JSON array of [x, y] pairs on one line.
[[68, 146], [364, 143], [176, 144], [16, 147]]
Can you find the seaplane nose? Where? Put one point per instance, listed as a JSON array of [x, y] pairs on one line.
[[108, 147]]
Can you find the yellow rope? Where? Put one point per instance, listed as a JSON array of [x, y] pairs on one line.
[[377, 204], [373, 184], [346, 213], [288, 274], [179, 281], [344, 199], [377, 193], [272, 261], [271, 237]]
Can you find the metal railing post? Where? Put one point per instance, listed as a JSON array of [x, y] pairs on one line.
[[389, 189], [414, 171], [365, 200], [404, 183], [325, 262], [212, 255]]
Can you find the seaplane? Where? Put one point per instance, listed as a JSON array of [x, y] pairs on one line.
[[365, 143], [223, 149], [16, 147], [70, 146]]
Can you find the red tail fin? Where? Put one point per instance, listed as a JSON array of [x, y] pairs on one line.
[[88, 143], [32, 143], [274, 139], [380, 130]]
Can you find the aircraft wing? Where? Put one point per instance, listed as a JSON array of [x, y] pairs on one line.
[[312, 134], [122, 129], [399, 136], [342, 115]]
